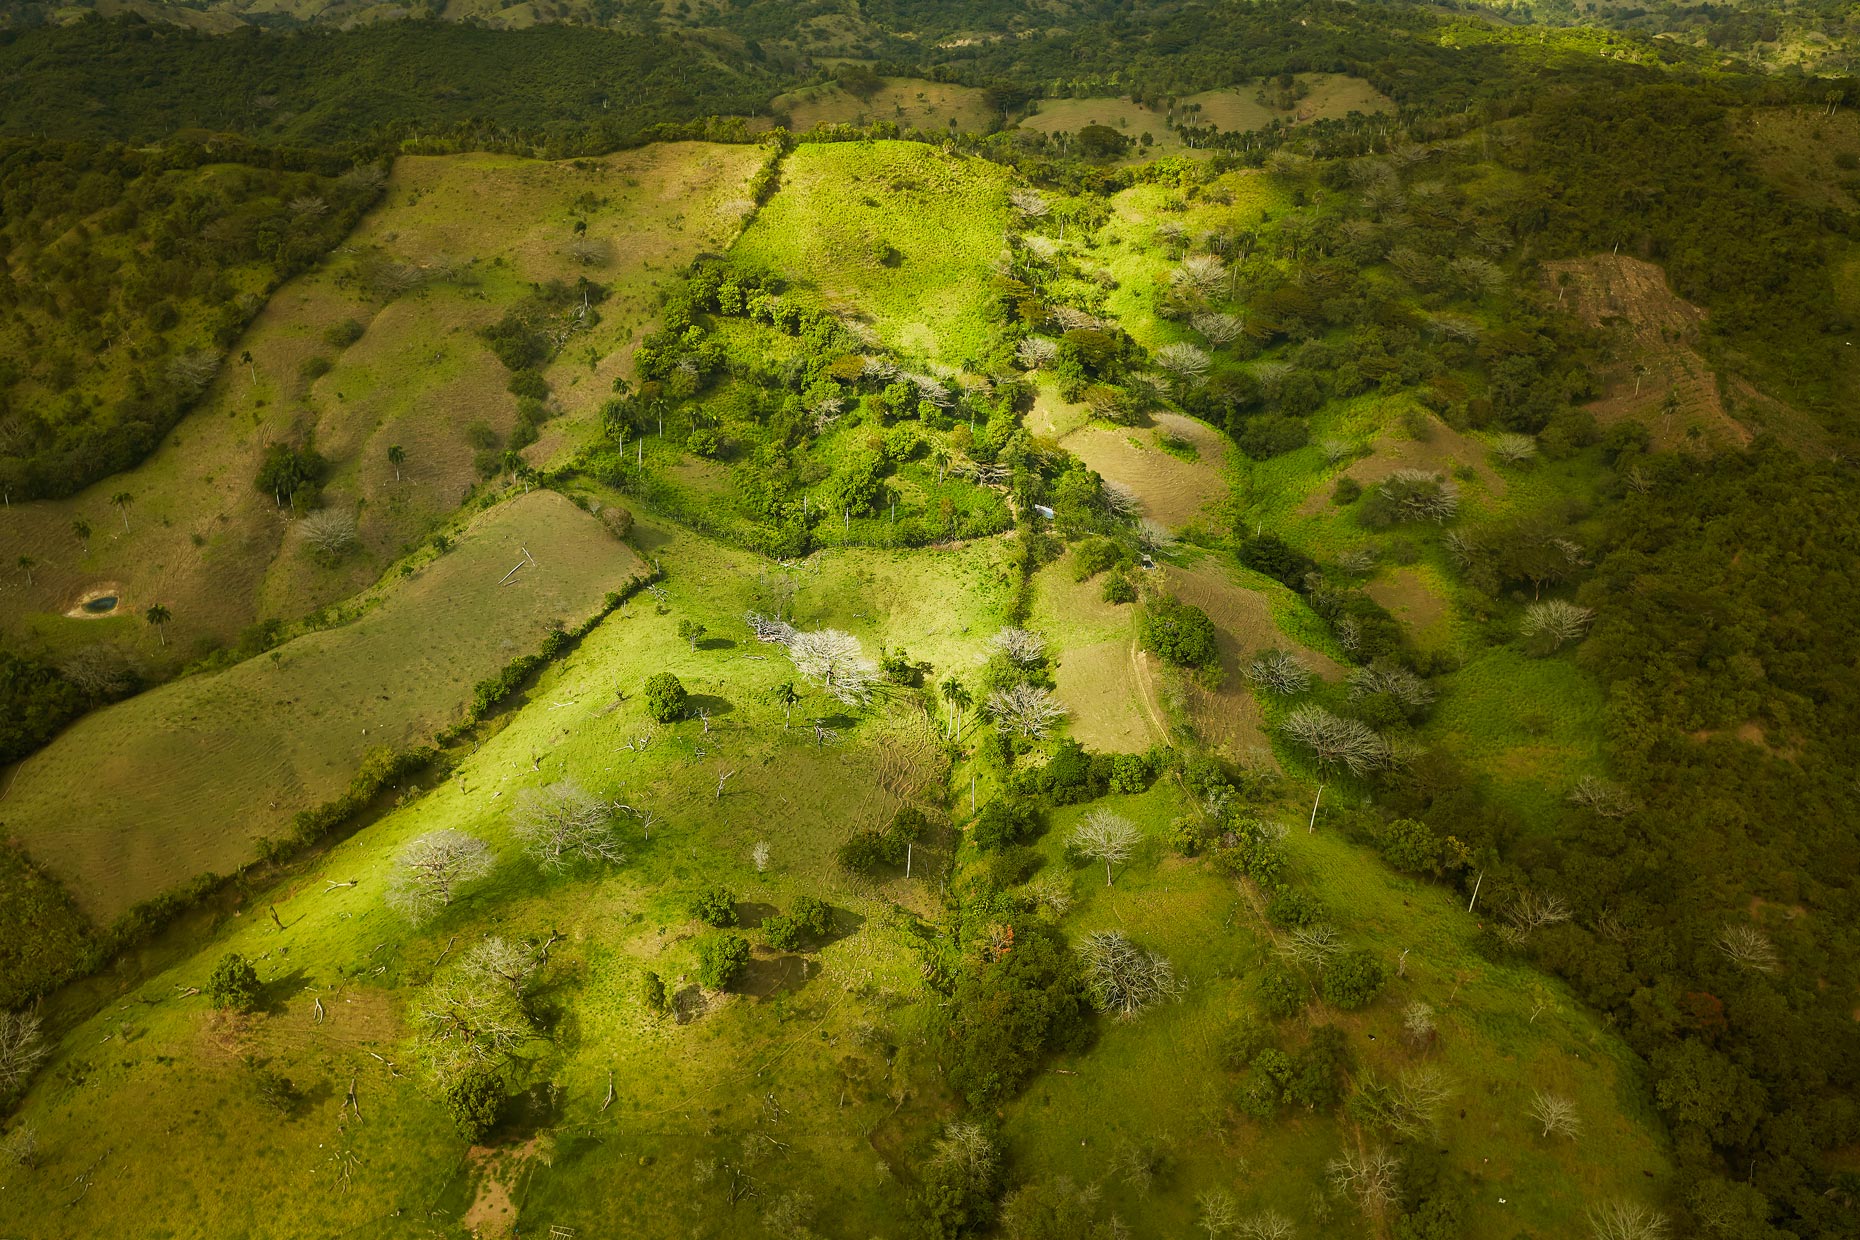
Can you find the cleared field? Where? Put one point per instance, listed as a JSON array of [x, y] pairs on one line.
[[1443, 451], [138, 798], [1133, 120], [1170, 489], [912, 103], [1329, 96], [898, 233], [1659, 378], [1417, 597], [1800, 149], [197, 538]]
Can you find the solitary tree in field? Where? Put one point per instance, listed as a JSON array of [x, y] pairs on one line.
[[1556, 1115], [1124, 978], [158, 616], [432, 867], [691, 631], [1626, 1220], [122, 500], [833, 660], [1335, 740], [1372, 1176], [397, 456], [564, 825], [26, 565], [1104, 836], [80, 528], [1218, 1213], [1026, 710]]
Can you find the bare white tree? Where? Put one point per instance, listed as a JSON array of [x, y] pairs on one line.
[[1025, 710], [1155, 537], [1186, 362], [1280, 671], [1512, 448], [1124, 978], [193, 370], [21, 1049], [462, 1023], [21, 1146], [328, 532], [1029, 202], [1217, 329], [501, 962], [308, 207], [1120, 500], [591, 251], [759, 856], [1605, 799], [1336, 451], [432, 867], [834, 661], [1312, 945], [1748, 948], [1372, 1176], [563, 825], [1532, 911], [1626, 1220], [1398, 683], [100, 670], [1107, 837], [1336, 741], [1417, 1024], [767, 629], [1022, 648], [1420, 495], [1037, 352], [1555, 622], [1267, 1225], [1556, 1115], [1217, 1213], [1199, 275]]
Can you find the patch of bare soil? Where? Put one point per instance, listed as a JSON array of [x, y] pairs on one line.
[[1657, 377]]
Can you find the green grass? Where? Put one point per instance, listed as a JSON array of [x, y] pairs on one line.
[[841, 204]]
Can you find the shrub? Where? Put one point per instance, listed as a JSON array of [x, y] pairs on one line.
[[872, 847], [1347, 491], [313, 368], [714, 906], [1005, 821], [781, 932], [342, 335], [666, 699], [1119, 588], [1180, 632], [234, 983], [813, 915], [528, 384], [1292, 910], [1352, 980], [652, 993], [1093, 556], [721, 960], [474, 1100], [1131, 772], [1280, 993]]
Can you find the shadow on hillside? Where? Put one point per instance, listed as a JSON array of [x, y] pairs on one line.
[[764, 976], [279, 991], [750, 915]]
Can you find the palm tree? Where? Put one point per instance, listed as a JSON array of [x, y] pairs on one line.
[[122, 500], [397, 456], [786, 697], [157, 615], [26, 565], [81, 528], [958, 699]]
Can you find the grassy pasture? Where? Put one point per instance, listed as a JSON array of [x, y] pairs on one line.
[[1131, 119], [942, 216], [800, 1030], [1504, 1032], [201, 541], [911, 103], [1331, 97], [139, 797]]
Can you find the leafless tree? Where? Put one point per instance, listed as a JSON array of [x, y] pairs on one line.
[[1155, 537], [329, 532], [1626, 1220], [1186, 362], [759, 856], [1555, 622], [1025, 710], [1029, 202], [1512, 448], [1040, 249], [1336, 451], [1279, 671], [833, 660], [1107, 837], [1217, 329], [1417, 1025], [1199, 275], [1312, 946], [563, 825], [1120, 500], [1336, 741], [1605, 799], [1217, 1213], [193, 370], [1372, 1177], [1531, 911], [101, 670], [1267, 1225], [1420, 495], [591, 251], [1359, 560], [21, 1049], [1037, 352], [463, 1022], [1398, 683], [21, 1146], [1748, 948], [432, 867], [771, 630], [499, 961], [1124, 978], [1556, 1115], [308, 207], [1022, 648]]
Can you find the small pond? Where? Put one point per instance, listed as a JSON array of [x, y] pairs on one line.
[[98, 606]]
